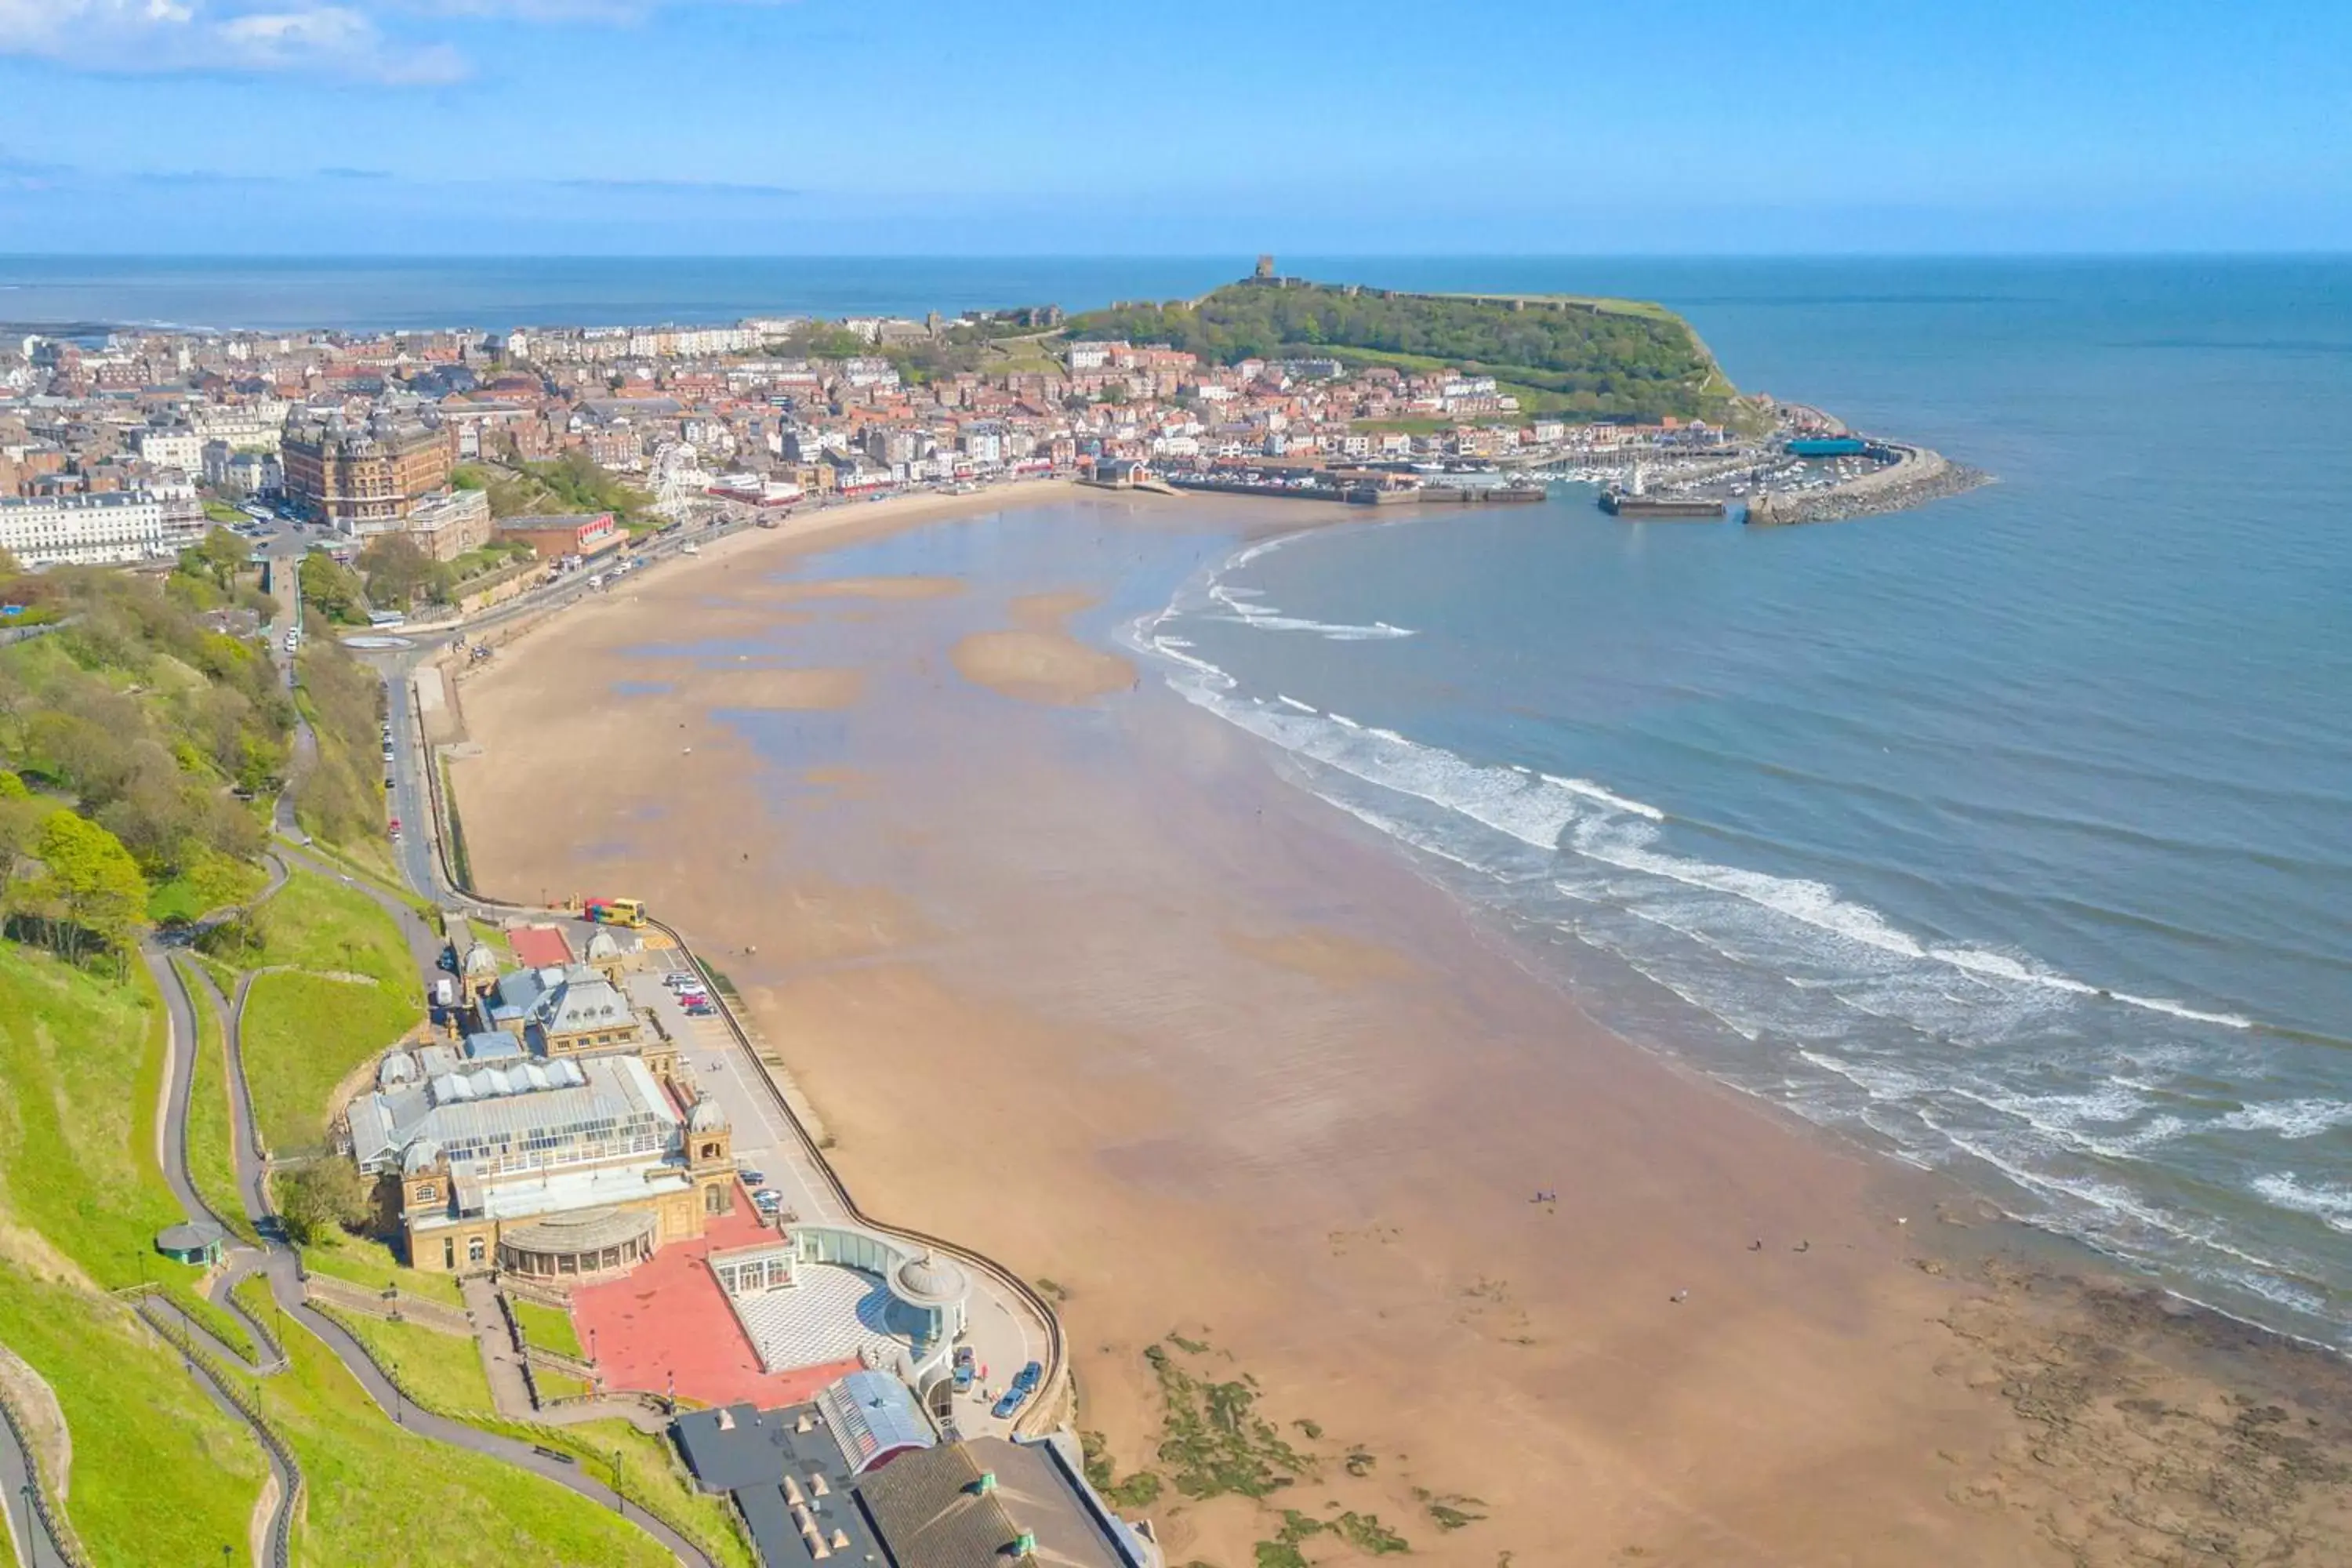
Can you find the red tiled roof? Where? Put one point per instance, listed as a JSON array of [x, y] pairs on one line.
[[538, 947]]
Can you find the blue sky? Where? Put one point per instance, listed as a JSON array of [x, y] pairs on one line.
[[1034, 126]]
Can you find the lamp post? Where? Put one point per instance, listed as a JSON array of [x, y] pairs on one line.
[[620, 1497], [30, 1550], [399, 1406]]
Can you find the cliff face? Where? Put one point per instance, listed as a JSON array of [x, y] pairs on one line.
[[1917, 476]]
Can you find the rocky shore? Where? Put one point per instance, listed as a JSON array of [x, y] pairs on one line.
[[1917, 475]]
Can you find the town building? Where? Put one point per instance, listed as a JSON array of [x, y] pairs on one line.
[[858, 1474], [582, 533], [363, 480], [447, 526], [181, 449], [111, 529], [563, 1171]]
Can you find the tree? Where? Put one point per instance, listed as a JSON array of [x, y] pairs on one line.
[[322, 1196], [330, 587], [90, 887], [217, 559], [398, 570]]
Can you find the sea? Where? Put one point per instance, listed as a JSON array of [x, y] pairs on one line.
[[2012, 835]]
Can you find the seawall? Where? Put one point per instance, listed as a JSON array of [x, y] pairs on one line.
[[1917, 476]]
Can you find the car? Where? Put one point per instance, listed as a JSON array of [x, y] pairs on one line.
[[682, 979], [767, 1200], [705, 1010], [390, 784], [692, 998], [1028, 1377], [395, 828], [966, 1367], [1010, 1401], [752, 1178]]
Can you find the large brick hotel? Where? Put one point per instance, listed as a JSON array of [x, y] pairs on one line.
[[364, 479]]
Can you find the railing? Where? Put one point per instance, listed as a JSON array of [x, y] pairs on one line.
[[60, 1529], [281, 1529]]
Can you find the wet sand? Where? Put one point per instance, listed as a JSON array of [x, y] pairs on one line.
[[1074, 976]]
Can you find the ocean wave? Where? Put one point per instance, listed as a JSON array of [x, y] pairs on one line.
[[1608, 797], [2330, 1205], [1938, 1049], [1239, 605], [2290, 1119]]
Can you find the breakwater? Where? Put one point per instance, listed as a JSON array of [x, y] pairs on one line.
[[1365, 494], [1917, 475]]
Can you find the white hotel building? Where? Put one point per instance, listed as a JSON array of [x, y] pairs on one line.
[[105, 530]]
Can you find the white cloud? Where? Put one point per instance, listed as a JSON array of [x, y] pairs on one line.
[[143, 35]]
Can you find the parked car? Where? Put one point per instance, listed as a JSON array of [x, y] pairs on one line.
[[679, 977], [767, 1200], [702, 1010], [752, 1178], [1010, 1401], [967, 1367], [1027, 1378], [395, 828]]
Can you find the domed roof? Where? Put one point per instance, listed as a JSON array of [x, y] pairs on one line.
[[603, 943], [422, 1156], [928, 1282], [706, 1117], [397, 1068]]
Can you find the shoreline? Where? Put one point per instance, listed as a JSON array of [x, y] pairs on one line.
[[1983, 1248], [851, 524]]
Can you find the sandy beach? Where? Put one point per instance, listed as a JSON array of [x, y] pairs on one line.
[[1073, 975]]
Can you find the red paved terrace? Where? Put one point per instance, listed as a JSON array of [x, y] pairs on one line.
[[670, 1318], [540, 947]]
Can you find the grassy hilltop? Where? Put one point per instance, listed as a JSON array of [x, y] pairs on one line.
[[1584, 358]]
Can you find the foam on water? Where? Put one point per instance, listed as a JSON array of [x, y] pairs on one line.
[[2293, 1119], [2331, 1205], [1239, 604], [1951, 1052]]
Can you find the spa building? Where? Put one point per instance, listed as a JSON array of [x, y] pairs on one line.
[[565, 1169]]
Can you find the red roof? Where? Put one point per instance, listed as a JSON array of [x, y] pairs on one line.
[[538, 947]]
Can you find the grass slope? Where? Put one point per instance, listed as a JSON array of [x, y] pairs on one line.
[[304, 1031], [548, 1328], [212, 1147], [303, 1034], [445, 1372], [361, 1261], [384, 1498], [156, 1465]]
